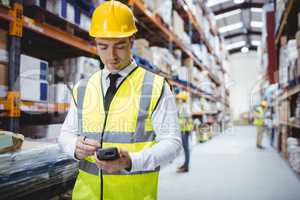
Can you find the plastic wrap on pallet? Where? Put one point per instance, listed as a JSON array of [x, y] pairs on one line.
[[36, 166]]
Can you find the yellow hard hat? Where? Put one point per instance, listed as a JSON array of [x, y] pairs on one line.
[[112, 19], [264, 103], [183, 96]]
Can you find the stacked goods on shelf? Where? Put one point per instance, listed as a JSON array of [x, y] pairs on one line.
[[178, 28], [162, 58], [283, 79], [197, 105], [288, 61], [162, 8], [292, 60], [201, 79], [141, 48], [284, 111], [70, 71], [59, 94], [63, 9], [297, 110], [33, 79], [3, 46], [293, 148], [3, 63], [3, 80]]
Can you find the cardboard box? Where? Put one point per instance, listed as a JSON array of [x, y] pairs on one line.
[[33, 90], [3, 55], [33, 68], [85, 22], [3, 91], [3, 74], [62, 93], [62, 8], [178, 24], [3, 39], [3, 80]]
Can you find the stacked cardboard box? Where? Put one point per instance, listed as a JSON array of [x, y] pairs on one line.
[[162, 8], [141, 48], [178, 25], [284, 111], [3, 46], [59, 93], [3, 80], [162, 58], [62, 8], [283, 62], [33, 79]]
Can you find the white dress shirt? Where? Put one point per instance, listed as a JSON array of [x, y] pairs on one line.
[[164, 122]]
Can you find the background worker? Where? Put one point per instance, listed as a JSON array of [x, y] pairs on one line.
[[186, 126], [121, 106], [259, 122]]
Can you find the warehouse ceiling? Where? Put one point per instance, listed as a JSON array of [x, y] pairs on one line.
[[239, 22]]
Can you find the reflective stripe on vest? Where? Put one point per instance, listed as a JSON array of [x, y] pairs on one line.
[[121, 137]]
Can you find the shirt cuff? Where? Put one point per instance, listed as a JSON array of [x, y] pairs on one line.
[[136, 162], [71, 148]]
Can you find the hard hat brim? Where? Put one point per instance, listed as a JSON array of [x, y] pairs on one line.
[[112, 35]]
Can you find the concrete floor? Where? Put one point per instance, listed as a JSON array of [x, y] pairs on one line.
[[229, 167]]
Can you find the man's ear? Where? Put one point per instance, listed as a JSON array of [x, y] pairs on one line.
[[131, 40]]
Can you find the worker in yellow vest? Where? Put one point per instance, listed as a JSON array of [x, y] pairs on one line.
[[186, 126], [259, 122], [122, 106]]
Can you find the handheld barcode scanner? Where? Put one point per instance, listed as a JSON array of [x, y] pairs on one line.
[[107, 154]]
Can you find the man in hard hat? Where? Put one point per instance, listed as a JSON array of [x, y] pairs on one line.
[[186, 126], [259, 122], [121, 106]]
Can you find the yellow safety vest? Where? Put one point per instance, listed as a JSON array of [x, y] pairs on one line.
[[127, 125], [186, 124], [259, 121]]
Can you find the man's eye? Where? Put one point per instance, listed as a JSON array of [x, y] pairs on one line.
[[102, 47]]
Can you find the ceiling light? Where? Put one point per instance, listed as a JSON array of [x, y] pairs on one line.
[[256, 24], [238, 1], [245, 49], [256, 9], [212, 3], [228, 14], [231, 27], [235, 45]]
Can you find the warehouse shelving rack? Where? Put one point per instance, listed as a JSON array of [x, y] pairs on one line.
[[38, 26], [283, 102]]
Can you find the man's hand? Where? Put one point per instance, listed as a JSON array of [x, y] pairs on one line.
[[124, 162], [85, 147]]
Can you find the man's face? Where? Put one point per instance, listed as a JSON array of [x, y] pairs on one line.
[[115, 53]]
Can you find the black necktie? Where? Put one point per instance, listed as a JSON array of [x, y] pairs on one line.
[[111, 89]]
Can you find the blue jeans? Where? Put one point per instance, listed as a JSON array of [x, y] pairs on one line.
[[185, 143]]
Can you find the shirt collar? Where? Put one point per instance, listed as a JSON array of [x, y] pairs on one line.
[[124, 72]]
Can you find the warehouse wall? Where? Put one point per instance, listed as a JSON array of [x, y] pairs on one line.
[[245, 72]]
